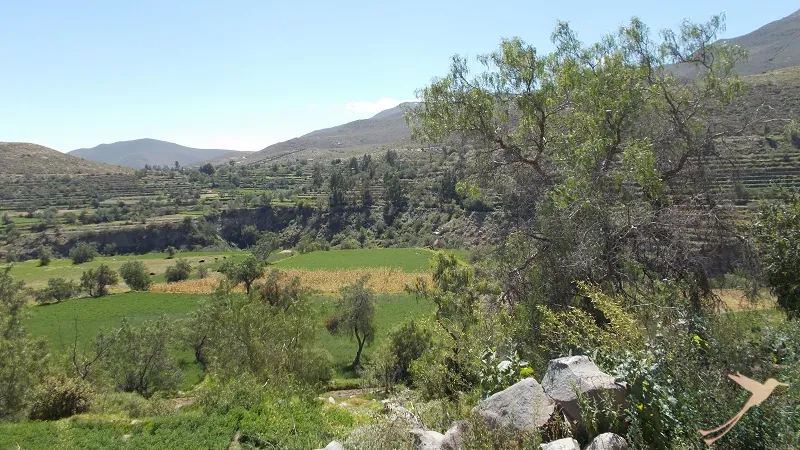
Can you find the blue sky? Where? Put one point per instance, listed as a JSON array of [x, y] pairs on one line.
[[246, 74]]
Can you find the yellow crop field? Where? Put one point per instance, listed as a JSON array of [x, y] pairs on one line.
[[382, 280]]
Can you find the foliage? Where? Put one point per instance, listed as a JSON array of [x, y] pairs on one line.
[[135, 275], [178, 272], [246, 271], [272, 333], [404, 345], [59, 397], [22, 360], [139, 360], [96, 281], [777, 237], [202, 271], [266, 244], [82, 252], [58, 289], [575, 331], [45, 256], [355, 316], [497, 373], [594, 136]]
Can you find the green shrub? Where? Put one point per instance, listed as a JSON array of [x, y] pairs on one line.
[[59, 397], [179, 272], [140, 359], [45, 256], [82, 252], [202, 271], [96, 281], [135, 275], [58, 289]]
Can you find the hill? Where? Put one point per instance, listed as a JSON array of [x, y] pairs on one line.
[[238, 157], [774, 46], [22, 158], [141, 152], [386, 127]]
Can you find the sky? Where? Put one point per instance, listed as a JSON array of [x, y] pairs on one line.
[[245, 74]]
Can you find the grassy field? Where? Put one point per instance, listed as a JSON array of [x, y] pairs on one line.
[[35, 276], [57, 323]]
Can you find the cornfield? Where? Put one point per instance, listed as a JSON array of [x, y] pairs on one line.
[[382, 280]]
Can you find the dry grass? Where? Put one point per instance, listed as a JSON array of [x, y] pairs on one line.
[[736, 300], [382, 280]]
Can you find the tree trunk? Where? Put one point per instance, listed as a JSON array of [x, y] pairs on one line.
[[357, 361]]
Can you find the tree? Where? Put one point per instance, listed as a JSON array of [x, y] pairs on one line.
[[207, 169], [58, 290], [316, 177], [179, 272], [776, 234], [22, 360], [355, 316], [82, 252], [45, 256], [49, 217], [140, 360], [171, 251], [270, 334], [596, 136], [96, 281], [135, 275], [246, 272], [267, 243]]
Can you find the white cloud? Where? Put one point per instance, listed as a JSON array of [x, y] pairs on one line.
[[375, 107]]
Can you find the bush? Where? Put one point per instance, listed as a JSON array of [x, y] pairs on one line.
[[135, 275], [140, 359], [179, 272], [58, 289], [59, 397], [202, 271], [96, 281], [45, 256], [171, 251], [82, 253]]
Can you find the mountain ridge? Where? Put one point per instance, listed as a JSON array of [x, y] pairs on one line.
[[140, 152]]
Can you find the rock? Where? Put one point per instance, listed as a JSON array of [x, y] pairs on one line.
[[332, 446], [566, 375], [135, 422], [562, 444], [427, 439], [523, 406], [331, 401], [454, 437], [125, 437], [398, 411], [608, 441]]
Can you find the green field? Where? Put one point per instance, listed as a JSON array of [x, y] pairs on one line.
[[57, 323], [35, 276], [405, 259]]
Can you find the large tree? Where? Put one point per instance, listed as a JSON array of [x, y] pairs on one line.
[[599, 153]]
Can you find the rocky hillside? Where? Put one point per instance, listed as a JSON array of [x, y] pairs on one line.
[[22, 158], [774, 46], [141, 152], [386, 127]]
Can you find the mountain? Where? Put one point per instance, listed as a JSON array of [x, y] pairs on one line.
[[386, 127], [238, 157], [774, 46], [140, 152], [22, 158]]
